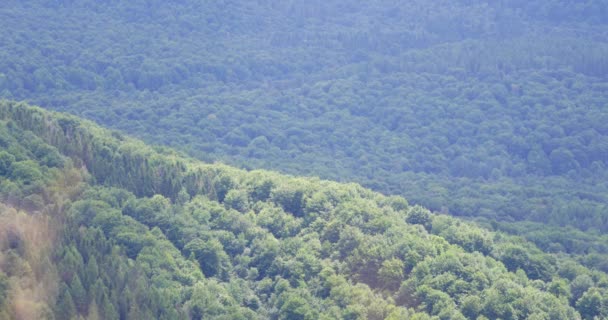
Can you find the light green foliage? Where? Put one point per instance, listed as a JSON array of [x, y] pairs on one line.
[[27, 172], [559, 288], [493, 109], [277, 221], [294, 306], [391, 272], [297, 248], [591, 305]]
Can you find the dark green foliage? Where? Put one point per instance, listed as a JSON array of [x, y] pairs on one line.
[[210, 256], [516, 257], [79, 295], [493, 109], [580, 285], [6, 161], [65, 308], [471, 307], [294, 306], [419, 215], [290, 198]]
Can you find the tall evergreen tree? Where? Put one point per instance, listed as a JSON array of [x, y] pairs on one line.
[[65, 307]]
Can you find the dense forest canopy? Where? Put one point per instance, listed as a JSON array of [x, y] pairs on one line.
[[96, 225], [493, 109]]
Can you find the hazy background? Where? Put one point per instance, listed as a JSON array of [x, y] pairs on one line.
[[493, 109]]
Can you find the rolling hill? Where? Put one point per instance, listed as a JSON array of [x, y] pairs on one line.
[[98, 225], [481, 109]]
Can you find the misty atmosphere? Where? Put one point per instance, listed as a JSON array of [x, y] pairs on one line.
[[195, 159]]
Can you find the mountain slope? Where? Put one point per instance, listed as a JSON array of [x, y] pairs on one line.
[[148, 233], [492, 110]]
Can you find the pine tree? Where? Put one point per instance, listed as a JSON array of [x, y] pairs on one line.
[[93, 311], [91, 272], [134, 312], [79, 295], [108, 310], [65, 308]]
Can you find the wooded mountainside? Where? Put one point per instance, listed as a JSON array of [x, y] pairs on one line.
[[96, 225], [494, 110], [490, 118]]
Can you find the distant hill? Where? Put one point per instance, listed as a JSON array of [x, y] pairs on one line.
[[97, 225], [483, 109]]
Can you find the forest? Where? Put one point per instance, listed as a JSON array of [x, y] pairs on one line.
[[97, 225], [492, 110], [467, 142]]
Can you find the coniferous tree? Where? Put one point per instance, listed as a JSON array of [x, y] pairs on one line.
[[65, 307], [91, 271], [108, 310], [79, 295], [93, 311]]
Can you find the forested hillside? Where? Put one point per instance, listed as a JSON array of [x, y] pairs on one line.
[[493, 110], [96, 225]]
